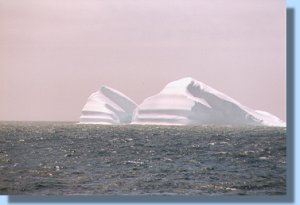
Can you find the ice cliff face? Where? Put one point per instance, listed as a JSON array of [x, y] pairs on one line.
[[107, 106], [188, 101]]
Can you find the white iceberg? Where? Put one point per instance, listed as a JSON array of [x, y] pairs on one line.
[[107, 106], [188, 101]]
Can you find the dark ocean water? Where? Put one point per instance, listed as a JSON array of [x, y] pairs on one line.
[[46, 158]]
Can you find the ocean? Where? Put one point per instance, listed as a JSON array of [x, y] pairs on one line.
[[65, 158]]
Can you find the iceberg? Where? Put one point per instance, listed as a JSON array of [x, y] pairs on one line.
[[190, 102], [107, 106]]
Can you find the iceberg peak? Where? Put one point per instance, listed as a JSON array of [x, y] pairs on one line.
[[182, 82], [107, 106], [185, 82], [189, 101], [180, 85]]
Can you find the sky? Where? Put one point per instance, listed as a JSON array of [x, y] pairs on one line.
[[55, 53]]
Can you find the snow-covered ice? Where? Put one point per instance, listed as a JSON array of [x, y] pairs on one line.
[[182, 102], [107, 106], [188, 101]]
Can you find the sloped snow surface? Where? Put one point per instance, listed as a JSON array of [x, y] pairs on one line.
[[188, 101], [107, 106]]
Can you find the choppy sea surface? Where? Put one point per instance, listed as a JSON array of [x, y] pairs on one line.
[[65, 158]]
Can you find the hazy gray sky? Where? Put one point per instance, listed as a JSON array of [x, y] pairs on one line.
[[55, 53]]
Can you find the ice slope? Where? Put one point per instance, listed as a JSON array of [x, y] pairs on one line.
[[107, 106], [188, 101]]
